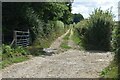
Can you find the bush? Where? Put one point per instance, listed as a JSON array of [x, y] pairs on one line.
[[51, 31], [96, 32], [79, 31], [116, 44], [21, 50], [13, 55], [9, 52], [59, 27]]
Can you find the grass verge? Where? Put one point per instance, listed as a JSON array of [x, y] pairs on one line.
[[111, 71], [75, 38], [9, 61]]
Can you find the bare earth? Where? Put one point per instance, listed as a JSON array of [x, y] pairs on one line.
[[57, 42], [69, 64]]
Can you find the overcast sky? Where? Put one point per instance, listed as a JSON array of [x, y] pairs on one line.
[[86, 7]]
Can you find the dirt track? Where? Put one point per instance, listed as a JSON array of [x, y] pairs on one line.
[[69, 64]]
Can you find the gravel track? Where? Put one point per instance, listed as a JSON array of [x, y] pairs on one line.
[[69, 64]]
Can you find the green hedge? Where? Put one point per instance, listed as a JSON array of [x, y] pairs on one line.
[[116, 44], [43, 33], [112, 70], [51, 30], [95, 33], [116, 37]]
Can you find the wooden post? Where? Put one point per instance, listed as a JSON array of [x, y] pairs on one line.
[[15, 37]]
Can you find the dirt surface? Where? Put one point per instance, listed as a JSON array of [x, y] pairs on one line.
[[72, 63], [71, 43], [57, 42]]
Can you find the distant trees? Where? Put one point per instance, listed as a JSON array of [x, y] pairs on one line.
[[53, 10], [77, 17]]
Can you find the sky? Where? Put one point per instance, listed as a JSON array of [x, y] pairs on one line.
[[86, 7]]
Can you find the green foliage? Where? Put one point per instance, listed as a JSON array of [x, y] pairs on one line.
[[76, 38], [33, 16], [43, 33], [116, 37], [116, 44], [21, 50], [82, 27], [77, 18], [79, 32], [9, 61], [58, 27], [53, 11], [9, 52], [111, 71], [67, 36], [99, 33], [13, 55], [95, 33], [44, 20], [51, 31], [64, 45]]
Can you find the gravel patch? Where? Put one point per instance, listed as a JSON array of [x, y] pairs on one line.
[[70, 64]]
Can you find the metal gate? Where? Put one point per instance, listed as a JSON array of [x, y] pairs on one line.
[[21, 38]]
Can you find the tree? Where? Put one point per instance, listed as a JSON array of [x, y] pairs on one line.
[[23, 16], [77, 18]]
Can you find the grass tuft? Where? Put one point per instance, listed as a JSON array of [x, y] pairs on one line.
[[111, 71], [64, 45]]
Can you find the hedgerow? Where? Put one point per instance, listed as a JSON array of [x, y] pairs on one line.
[[96, 32]]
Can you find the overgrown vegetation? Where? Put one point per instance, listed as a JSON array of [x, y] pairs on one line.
[[116, 45], [9, 61], [13, 55], [95, 33], [79, 31], [44, 20], [56, 28], [113, 69]]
